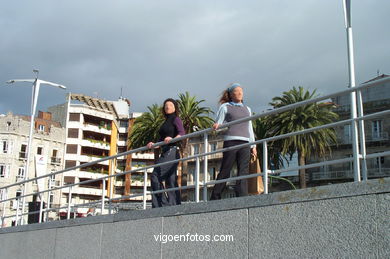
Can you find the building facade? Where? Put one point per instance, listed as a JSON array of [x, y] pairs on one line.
[[376, 98], [47, 151]]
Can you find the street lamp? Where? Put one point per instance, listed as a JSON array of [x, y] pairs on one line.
[[355, 95], [36, 83]]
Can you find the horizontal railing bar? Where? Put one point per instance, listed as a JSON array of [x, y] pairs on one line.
[[197, 133], [369, 116]]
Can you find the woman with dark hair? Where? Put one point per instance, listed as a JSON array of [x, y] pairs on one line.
[[231, 109], [171, 128]]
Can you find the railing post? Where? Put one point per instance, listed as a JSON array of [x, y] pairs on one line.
[[265, 167], [69, 201], [40, 208], [205, 166], [17, 212], [362, 136], [145, 188], [197, 180], [3, 197], [103, 191], [48, 200]]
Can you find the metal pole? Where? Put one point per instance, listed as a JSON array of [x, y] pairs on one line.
[[17, 212], [351, 69], [145, 188], [34, 100], [40, 207], [197, 180], [362, 136], [69, 201], [205, 166], [103, 190], [3, 197], [48, 200], [265, 167]]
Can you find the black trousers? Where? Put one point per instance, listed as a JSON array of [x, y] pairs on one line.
[[166, 173], [241, 156]]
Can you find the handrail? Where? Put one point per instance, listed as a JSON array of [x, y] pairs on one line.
[[205, 183]]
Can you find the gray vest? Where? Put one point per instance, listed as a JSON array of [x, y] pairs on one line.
[[235, 113]]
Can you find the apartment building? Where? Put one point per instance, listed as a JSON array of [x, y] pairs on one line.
[[47, 151], [375, 99]]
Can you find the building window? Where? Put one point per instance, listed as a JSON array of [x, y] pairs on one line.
[[347, 134], [17, 200], [73, 133], [20, 173], [23, 149], [51, 200], [124, 124], [212, 173], [195, 149], [74, 116], [70, 163], [376, 129], [71, 149], [4, 170], [39, 150], [4, 146], [213, 146], [41, 128]]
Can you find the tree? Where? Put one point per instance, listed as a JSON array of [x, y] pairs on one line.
[[303, 117], [146, 127], [195, 117]]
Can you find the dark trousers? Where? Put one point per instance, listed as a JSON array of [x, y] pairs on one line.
[[241, 156], [166, 173]]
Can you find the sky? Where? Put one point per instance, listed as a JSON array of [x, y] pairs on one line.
[[153, 50]]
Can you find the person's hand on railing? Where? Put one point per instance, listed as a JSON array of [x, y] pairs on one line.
[[150, 144], [215, 126], [254, 151], [167, 140]]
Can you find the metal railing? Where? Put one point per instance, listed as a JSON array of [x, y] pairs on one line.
[[198, 185]]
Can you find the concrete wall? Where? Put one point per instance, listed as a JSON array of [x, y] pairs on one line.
[[338, 221]]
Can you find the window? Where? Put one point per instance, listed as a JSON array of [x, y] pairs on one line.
[[54, 153], [23, 151], [41, 128], [376, 129], [71, 149], [17, 200], [39, 150], [213, 146], [70, 163], [20, 172], [212, 173], [5, 146], [195, 149], [51, 200], [74, 116], [124, 124], [4, 170], [347, 134], [73, 133]]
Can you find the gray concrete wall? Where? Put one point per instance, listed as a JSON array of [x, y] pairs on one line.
[[338, 221]]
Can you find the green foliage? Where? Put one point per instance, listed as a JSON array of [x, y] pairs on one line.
[[146, 127]]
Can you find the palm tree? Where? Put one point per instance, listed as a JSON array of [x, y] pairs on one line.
[[303, 117], [145, 128], [195, 117]]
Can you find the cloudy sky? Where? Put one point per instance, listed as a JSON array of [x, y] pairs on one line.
[[157, 49]]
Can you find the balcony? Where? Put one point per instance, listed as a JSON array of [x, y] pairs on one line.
[[22, 155], [97, 128], [378, 136], [87, 159], [95, 144], [84, 191], [55, 160]]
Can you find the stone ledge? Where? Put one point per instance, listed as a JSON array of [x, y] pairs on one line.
[[344, 190]]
